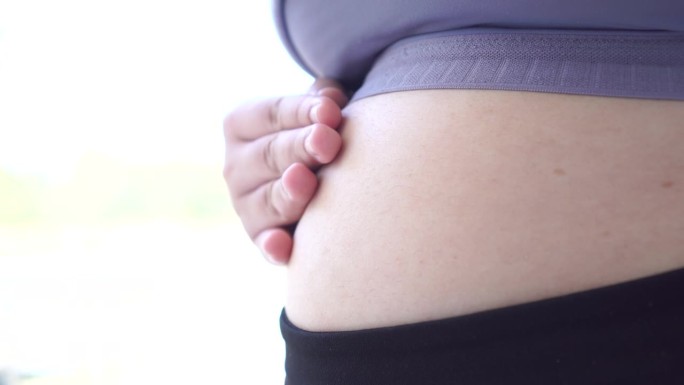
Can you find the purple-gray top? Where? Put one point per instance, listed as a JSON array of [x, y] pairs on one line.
[[627, 48]]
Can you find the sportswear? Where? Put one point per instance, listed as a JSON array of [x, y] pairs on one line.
[[629, 48]]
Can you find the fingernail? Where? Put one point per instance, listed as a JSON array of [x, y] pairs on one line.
[[309, 147], [271, 259], [267, 256], [322, 91], [288, 193], [313, 113]]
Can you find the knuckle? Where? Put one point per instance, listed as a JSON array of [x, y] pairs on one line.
[[238, 206], [278, 208], [269, 202], [301, 150], [233, 175], [230, 163], [303, 112], [250, 227], [229, 123], [268, 155], [274, 112], [228, 170]]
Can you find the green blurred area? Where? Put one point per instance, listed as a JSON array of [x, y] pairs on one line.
[[102, 191], [110, 241]]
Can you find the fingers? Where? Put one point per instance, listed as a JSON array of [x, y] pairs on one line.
[[331, 89], [267, 158], [272, 146], [277, 203], [275, 244], [260, 118], [322, 83]]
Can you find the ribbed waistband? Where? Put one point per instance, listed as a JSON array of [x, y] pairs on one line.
[[627, 333], [623, 64]]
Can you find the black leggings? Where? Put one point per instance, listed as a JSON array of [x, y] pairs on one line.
[[629, 333]]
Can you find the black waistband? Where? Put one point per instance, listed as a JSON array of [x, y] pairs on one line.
[[630, 333]]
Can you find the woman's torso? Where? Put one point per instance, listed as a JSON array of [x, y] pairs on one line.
[[447, 202]]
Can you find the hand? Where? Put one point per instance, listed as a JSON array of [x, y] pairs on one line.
[[273, 147]]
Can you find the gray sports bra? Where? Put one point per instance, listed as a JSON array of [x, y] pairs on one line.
[[629, 48]]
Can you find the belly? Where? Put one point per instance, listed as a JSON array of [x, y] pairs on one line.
[[449, 202]]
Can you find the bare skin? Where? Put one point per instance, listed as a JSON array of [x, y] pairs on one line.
[[273, 148], [449, 202]]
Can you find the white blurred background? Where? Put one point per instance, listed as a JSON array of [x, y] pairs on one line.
[[121, 260]]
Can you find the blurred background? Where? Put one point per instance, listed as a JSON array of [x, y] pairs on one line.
[[121, 260]]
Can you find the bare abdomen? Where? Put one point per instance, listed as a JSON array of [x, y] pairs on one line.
[[448, 202]]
